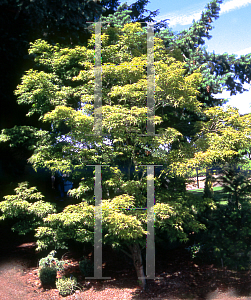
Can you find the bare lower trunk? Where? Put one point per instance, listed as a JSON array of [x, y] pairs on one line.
[[138, 264]]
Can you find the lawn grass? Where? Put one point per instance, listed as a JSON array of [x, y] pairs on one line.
[[219, 196], [198, 191]]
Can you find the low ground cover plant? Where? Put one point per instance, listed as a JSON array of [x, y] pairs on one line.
[[66, 286]]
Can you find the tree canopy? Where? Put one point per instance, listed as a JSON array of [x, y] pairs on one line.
[[59, 92], [23, 22], [220, 71]]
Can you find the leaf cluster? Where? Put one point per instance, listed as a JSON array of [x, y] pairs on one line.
[[26, 207]]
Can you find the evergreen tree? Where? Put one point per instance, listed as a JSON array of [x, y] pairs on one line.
[[228, 227], [219, 71]]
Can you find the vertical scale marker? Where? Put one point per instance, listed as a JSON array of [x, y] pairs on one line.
[[98, 132], [98, 82], [150, 251], [150, 81], [150, 240], [97, 225]]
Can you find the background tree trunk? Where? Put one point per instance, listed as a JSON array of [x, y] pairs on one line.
[[197, 175], [208, 189]]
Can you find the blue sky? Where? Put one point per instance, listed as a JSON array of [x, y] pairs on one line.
[[231, 33]]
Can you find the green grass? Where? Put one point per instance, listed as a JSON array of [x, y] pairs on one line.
[[198, 191], [218, 195]]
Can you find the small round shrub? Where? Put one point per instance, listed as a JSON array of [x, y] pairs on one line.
[[51, 261], [47, 275], [86, 267], [66, 286]]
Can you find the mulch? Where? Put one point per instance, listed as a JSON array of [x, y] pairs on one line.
[[182, 278]]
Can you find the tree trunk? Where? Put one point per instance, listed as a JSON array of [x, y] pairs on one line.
[[208, 189], [197, 175], [138, 264]]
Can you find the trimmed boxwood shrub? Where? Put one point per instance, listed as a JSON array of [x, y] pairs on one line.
[[47, 275]]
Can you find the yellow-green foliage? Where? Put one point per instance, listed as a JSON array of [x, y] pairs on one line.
[[61, 91], [27, 206], [66, 286]]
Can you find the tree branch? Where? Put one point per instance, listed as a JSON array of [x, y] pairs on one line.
[[129, 255]]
